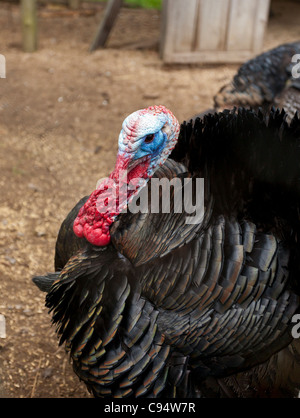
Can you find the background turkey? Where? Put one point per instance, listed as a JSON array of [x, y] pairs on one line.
[[167, 308], [263, 82], [289, 98]]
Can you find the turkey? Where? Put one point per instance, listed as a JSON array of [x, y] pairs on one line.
[[263, 82], [289, 98], [153, 303]]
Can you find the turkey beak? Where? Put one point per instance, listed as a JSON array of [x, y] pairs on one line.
[[125, 165], [121, 167]]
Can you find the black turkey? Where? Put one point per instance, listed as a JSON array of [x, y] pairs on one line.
[[262, 82], [289, 98], [151, 305]]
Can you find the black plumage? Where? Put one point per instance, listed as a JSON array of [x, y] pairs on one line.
[[262, 82], [177, 309], [289, 98]]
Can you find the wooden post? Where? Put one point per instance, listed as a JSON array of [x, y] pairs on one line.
[[29, 25], [111, 12]]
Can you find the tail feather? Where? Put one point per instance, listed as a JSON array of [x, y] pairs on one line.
[[44, 283]]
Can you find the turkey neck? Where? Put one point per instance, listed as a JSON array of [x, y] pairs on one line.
[[110, 199]]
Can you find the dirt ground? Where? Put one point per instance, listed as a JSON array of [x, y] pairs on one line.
[[61, 110]]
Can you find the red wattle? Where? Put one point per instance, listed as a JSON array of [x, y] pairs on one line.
[[97, 214], [77, 228], [95, 235]]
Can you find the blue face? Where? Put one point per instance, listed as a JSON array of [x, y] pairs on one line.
[[151, 144]]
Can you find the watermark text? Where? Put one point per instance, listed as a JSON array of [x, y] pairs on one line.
[[166, 196], [2, 66], [296, 328]]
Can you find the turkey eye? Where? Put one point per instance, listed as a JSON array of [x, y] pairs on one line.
[[149, 139]]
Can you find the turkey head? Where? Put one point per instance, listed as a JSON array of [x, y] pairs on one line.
[[146, 139]]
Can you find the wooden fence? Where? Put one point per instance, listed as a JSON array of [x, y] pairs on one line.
[[212, 31]]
